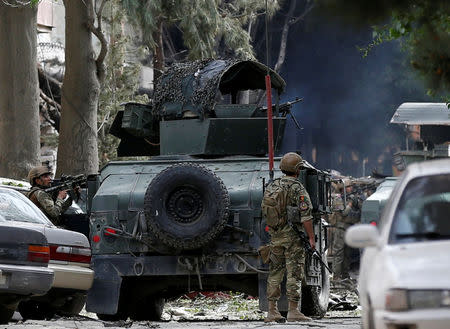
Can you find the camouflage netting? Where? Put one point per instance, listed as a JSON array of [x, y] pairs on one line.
[[196, 85]]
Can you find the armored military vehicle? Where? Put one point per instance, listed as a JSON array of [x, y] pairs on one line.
[[428, 125], [189, 218], [373, 206]]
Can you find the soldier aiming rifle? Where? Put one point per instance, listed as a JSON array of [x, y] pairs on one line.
[[53, 200]]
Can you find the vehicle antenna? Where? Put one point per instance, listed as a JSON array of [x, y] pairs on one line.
[[269, 101]]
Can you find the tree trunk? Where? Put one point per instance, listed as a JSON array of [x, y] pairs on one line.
[[77, 150], [158, 53], [284, 36], [19, 112]]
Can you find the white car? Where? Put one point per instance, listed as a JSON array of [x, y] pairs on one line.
[[70, 258], [404, 280]]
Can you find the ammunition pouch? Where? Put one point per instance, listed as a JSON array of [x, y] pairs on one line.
[[276, 257], [264, 253], [293, 215]]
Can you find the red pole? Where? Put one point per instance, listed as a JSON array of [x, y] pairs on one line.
[[269, 123]]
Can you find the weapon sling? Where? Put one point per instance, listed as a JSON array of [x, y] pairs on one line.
[[307, 246]]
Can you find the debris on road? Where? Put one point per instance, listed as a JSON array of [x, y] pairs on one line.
[[340, 303], [344, 299], [212, 306]]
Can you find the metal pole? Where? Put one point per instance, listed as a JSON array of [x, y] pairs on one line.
[[269, 124], [269, 101]]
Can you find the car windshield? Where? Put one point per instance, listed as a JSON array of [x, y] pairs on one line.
[[16, 207], [423, 212]]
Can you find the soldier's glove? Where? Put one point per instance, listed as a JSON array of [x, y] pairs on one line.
[[77, 192]]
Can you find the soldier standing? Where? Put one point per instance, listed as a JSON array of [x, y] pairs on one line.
[[41, 178], [287, 203], [344, 219]]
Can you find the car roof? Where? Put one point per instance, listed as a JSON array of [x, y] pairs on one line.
[[428, 168], [422, 114]]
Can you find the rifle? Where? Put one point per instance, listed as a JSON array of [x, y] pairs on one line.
[[67, 183], [359, 189], [312, 252], [285, 108]]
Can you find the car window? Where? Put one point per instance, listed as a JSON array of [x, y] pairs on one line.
[[423, 212], [16, 207]]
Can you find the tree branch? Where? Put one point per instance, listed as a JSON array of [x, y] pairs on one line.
[[98, 32], [52, 81], [18, 3], [50, 86], [55, 114], [50, 101], [284, 35], [302, 16]]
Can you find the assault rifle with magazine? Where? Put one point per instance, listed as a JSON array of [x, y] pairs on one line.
[[312, 252], [68, 183]]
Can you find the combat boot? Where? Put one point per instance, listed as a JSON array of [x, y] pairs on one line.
[[294, 314], [273, 315]]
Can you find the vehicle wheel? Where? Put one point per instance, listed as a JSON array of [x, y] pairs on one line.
[[35, 310], [6, 313], [149, 309], [74, 305], [186, 206], [315, 299]]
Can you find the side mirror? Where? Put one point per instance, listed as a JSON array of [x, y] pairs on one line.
[[362, 236]]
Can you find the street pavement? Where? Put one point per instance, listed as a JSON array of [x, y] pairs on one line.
[[79, 323]]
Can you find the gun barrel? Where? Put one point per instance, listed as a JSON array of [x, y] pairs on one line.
[[286, 106], [283, 107], [68, 183]]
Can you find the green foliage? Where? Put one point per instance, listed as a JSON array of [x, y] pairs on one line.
[[205, 24], [426, 36], [423, 27], [120, 85], [13, 184]]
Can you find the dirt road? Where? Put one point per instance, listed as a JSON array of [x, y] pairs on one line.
[[219, 310], [326, 323]]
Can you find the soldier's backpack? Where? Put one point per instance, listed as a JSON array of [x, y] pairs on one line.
[[273, 205]]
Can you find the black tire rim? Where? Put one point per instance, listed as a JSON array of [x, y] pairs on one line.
[[185, 205]]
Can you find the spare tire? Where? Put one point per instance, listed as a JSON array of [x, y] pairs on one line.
[[186, 206]]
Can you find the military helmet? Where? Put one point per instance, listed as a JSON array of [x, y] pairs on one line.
[[290, 162], [37, 172], [337, 186]]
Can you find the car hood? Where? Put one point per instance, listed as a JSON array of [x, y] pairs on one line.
[[58, 236], [423, 265]]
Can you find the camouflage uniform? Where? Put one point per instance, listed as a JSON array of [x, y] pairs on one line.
[[53, 209], [341, 253], [286, 250]]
